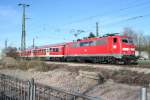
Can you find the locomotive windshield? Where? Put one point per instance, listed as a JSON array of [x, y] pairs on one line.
[[127, 40]]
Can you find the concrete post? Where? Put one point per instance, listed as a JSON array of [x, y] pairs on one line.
[[144, 93]]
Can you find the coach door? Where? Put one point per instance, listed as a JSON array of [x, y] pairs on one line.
[[47, 51]]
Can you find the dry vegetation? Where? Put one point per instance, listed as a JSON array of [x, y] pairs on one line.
[[25, 65], [69, 78], [120, 76]]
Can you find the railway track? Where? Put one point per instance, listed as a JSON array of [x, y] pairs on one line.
[[138, 68]]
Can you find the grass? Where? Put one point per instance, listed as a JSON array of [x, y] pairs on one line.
[[1, 62], [145, 62], [23, 64]]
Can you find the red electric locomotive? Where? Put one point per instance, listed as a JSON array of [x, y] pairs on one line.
[[111, 48]]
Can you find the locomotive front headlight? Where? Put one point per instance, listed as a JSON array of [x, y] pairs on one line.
[[132, 49], [125, 49]]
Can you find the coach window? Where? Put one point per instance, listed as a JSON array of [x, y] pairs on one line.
[[57, 50], [115, 40], [50, 49], [53, 49]]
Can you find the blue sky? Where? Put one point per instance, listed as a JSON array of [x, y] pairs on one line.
[[55, 21]]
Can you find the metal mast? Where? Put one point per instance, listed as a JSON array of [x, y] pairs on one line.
[[23, 36], [97, 33], [33, 42], [6, 44]]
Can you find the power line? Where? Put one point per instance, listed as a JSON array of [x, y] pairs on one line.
[[122, 9], [128, 19], [123, 20], [118, 10], [136, 5]]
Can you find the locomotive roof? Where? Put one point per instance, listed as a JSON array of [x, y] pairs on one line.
[[94, 38]]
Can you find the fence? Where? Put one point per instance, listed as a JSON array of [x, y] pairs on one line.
[[16, 89]]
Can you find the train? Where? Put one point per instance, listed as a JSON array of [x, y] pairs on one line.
[[111, 48]]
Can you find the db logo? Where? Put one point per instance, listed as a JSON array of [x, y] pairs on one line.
[[85, 50], [114, 46]]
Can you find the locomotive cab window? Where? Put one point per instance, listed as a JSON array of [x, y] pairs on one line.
[[115, 40], [125, 40]]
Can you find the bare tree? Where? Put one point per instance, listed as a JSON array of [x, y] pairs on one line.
[[91, 35], [10, 52], [129, 32], [138, 38], [147, 45]]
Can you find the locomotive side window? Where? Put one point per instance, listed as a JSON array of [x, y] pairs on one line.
[[84, 44], [100, 42], [90, 43], [74, 45], [115, 40]]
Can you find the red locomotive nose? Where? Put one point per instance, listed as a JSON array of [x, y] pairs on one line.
[[128, 47]]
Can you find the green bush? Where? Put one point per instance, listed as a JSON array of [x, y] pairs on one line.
[[145, 62]]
